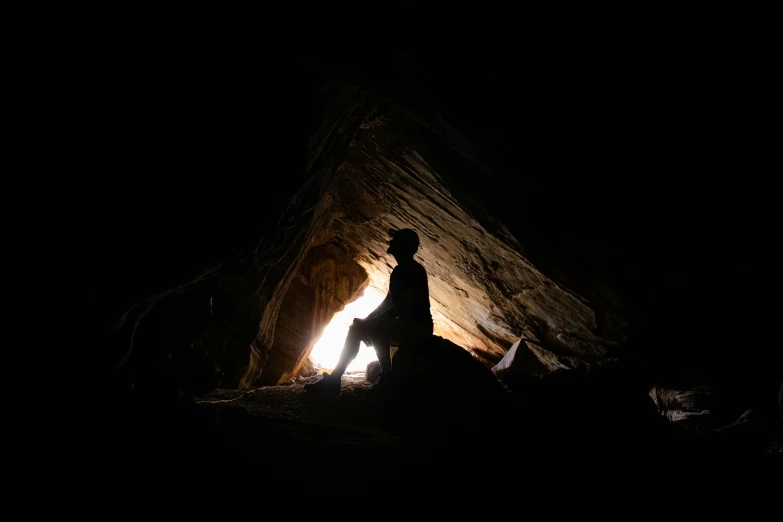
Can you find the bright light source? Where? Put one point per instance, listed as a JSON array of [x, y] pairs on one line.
[[326, 351]]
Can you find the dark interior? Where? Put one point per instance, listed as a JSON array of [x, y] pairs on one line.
[[602, 206]]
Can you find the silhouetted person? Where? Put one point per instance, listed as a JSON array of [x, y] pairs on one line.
[[403, 316]]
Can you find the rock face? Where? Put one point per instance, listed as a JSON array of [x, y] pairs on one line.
[[520, 360], [436, 368], [327, 280], [693, 406], [372, 372], [484, 293]]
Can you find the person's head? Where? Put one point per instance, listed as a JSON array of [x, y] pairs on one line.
[[403, 244]]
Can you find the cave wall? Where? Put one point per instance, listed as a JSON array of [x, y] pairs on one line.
[[485, 295], [636, 188], [327, 280], [375, 165], [162, 199], [237, 229]]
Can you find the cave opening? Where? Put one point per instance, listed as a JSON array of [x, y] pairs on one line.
[[326, 350]]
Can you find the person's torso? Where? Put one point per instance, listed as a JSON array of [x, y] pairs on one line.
[[412, 276]]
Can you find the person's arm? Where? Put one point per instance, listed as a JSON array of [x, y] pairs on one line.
[[382, 308]]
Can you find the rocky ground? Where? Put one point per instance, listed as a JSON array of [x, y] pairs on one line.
[[351, 430], [350, 417], [561, 426], [286, 432]]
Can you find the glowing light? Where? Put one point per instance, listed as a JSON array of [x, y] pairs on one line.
[[326, 350]]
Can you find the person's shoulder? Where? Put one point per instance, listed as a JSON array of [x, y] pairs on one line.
[[409, 267], [418, 266]]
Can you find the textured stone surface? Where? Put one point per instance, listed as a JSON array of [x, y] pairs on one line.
[[484, 293], [375, 164], [691, 407], [328, 279], [373, 371], [519, 360]]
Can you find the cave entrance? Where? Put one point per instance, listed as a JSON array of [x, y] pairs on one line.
[[326, 350]]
